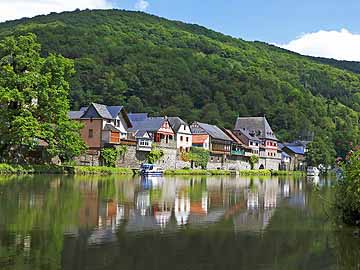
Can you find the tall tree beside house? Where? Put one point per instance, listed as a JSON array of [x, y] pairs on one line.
[[319, 152], [253, 160], [34, 102], [154, 155]]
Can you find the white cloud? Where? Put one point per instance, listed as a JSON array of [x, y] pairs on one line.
[[142, 5], [341, 45], [16, 9]]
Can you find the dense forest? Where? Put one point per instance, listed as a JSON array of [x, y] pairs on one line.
[[171, 68]]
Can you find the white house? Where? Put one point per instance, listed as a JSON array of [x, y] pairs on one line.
[[183, 134]]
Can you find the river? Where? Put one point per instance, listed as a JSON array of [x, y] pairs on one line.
[[117, 222]]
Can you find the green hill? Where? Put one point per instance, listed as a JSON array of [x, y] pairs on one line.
[[168, 67]]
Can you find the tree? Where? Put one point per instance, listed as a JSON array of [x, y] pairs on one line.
[[348, 189], [110, 155], [34, 102], [253, 160], [135, 104], [154, 155], [320, 153], [199, 156]]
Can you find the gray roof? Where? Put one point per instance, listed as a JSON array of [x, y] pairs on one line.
[[136, 117], [151, 124], [176, 122], [259, 125], [141, 134], [114, 110], [212, 130], [248, 134], [102, 110], [109, 127], [75, 114]]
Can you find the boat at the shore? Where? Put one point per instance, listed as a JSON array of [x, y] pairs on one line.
[[312, 172], [151, 169]]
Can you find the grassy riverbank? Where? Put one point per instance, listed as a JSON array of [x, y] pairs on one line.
[[227, 172], [7, 169], [199, 172]]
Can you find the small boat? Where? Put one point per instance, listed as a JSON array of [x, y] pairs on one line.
[[312, 171], [151, 169]]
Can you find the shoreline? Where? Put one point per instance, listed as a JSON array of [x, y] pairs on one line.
[[7, 169]]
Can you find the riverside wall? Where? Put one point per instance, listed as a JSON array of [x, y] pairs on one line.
[[172, 160]]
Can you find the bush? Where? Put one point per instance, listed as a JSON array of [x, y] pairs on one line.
[[348, 189], [155, 155], [255, 173], [84, 170]]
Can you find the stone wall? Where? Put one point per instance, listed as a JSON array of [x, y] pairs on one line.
[[171, 160], [268, 163], [91, 158], [132, 158]]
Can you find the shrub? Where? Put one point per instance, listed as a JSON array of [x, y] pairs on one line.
[[155, 155], [348, 189]]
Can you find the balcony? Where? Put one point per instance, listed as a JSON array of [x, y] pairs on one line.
[[238, 152]]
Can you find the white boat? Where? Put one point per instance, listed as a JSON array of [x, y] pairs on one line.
[[313, 171], [151, 169]]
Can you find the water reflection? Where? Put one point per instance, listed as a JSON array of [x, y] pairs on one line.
[[54, 222]]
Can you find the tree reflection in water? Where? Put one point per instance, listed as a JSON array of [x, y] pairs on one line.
[[178, 223]]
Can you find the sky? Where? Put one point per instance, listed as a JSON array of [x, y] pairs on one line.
[[327, 28]]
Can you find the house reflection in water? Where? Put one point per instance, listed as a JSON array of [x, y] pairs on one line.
[[173, 203], [182, 208]]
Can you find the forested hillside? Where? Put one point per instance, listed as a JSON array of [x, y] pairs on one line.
[[170, 68]]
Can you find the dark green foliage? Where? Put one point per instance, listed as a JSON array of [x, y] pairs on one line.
[[166, 67], [154, 155], [319, 152], [348, 189], [253, 160], [199, 156], [34, 102], [110, 155]]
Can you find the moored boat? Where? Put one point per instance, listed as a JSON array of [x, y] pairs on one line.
[[151, 169], [312, 171]]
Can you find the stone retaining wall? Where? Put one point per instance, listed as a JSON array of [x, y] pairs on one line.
[[171, 160]]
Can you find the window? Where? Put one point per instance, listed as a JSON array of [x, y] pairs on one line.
[[181, 138], [109, 121], [187, 139], [251, 143], [91, 133], [257, 144]]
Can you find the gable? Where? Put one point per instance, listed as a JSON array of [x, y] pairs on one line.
[[91, 112]]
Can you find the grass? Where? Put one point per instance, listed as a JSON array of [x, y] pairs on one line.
[[255, 172], [288, 173], [198, 172], [8, 169], [82, 170]]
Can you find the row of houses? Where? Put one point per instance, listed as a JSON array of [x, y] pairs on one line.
[[111, 126]]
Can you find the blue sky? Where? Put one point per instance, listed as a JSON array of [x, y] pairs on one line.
[[275, 21], [328, 28]]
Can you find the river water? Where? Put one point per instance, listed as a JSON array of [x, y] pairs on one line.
[[58, 222]]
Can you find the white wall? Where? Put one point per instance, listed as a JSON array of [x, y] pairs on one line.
[[184, 132]]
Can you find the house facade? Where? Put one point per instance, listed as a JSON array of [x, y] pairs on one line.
[[158, 129], [269, 153], [219, 143], [103, 125], [296, 151], [183, 134], [250, 140]]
